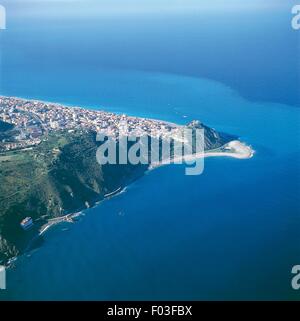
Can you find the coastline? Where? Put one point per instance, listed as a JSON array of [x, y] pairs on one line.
[[69, 218], [234, 149], [237, 149], [91, 108]]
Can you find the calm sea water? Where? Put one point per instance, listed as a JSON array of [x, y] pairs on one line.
[[230, 233]]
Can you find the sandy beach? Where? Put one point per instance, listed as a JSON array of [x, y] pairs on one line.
[[235, 149]]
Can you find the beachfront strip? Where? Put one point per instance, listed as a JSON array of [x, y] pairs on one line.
[[33, 119]]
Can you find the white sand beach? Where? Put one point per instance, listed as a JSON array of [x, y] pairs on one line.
[[235, 149]]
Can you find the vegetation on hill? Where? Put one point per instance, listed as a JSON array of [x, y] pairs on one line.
[[61, 175]]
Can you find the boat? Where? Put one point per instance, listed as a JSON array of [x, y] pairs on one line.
[[27, 223]]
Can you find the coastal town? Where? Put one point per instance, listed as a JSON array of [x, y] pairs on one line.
[[33, 120]]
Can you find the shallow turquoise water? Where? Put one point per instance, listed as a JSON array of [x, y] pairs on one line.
[[232, 232]]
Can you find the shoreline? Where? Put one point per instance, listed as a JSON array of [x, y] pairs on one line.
[[235, 149], [91, 108], [69, 218], [238, 149]]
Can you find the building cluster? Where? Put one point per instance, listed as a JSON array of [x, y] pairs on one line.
[[34, 119]]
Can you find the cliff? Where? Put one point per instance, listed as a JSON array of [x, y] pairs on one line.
[[60, 176]]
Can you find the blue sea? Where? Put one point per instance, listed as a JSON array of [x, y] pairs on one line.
[[230, 233]]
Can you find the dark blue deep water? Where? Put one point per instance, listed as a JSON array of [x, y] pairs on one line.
[[230, 233]]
